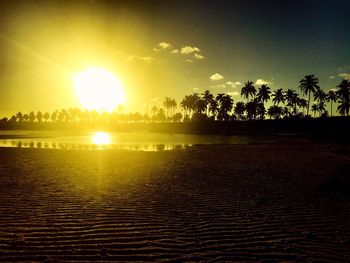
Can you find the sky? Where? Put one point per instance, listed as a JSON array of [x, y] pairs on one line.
[[167, 48]]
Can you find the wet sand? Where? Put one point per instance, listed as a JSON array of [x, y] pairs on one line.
[[263, 202]]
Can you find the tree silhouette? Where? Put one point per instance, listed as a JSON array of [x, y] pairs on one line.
[[248, 90], [275, 112], [344, 107], [208, 97], [251, 108], [343, 94], [167, 103], [292, 98], [302, 103], [314, 109], [332, 97], [46, 116], [31, 116], [308, 85], [239, 110], [19, 116], [39, 116], [225, 105], [213, 108], [278, 96], [263, 94]]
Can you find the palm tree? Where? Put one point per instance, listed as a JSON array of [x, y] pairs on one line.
[[251, 108], [302, 103], [239, 109], [46, 116], [184, 104], [275, 112], [167, 106], [344, 90], [260, 110], [332, 97], [263, 93], [193, 100], [225, 105], [31, 116], [208, 98], [308, 85], [314, 109], [292, 99], [19, 116], [320, 95], [213, 108], [344, 107], [278, 96], [321, 108], [154, 110], [54, 116], [200, 106], [173, 106], [248, 90]]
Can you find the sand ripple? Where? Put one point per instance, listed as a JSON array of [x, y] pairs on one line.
[[212, 203]]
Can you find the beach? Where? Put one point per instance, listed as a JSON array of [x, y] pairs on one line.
[[274, 202]]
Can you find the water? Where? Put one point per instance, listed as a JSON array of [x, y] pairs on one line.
[[112, 140]]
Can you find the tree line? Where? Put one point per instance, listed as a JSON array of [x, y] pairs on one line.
[[206, 106]]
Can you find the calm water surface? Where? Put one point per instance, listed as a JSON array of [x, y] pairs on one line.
[[139, 141]]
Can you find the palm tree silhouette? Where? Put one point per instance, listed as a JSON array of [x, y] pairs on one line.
[[278, 96], [225, 105], [213, 108], [248, 90], [263, 94], [19, 116], [320, 95], [308, 85], [46, 116], [302, 103], [275, 112], [208, 97], [292, 99], [344, 90], [239, 110], [31, 116], [314, 109], [167, 105], [344, 107], [332, 97]]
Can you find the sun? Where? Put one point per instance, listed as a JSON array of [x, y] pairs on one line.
[[98, 89]]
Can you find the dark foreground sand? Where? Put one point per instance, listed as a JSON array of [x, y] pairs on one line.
[[277, 202]]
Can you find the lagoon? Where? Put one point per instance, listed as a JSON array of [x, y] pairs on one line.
[[100, 140]]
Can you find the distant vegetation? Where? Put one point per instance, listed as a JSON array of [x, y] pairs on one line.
[[287, 104]]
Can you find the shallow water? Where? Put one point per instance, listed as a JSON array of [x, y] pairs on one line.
[[139, 141]]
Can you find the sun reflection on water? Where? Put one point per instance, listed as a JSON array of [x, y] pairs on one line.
[[101, 138]]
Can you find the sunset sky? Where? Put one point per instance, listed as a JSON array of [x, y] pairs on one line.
[[166, 48]]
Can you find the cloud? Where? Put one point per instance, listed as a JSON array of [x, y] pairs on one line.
[[189, 60], [174, 51], [188, 50], [198, 56], [144, 59], [331, 77], [233, 84], [233, 93], [164, 45], [344, 75], [216, 77], [161, 46], [262, 82]]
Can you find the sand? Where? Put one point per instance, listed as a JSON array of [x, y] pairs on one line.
[[267, 202]]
